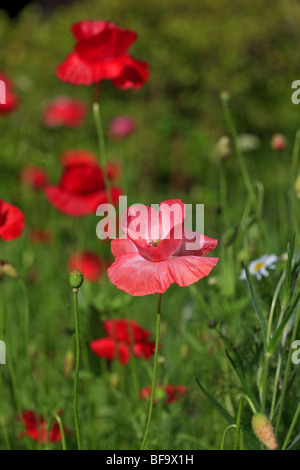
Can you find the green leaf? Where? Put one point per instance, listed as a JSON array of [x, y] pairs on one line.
[[249, 439], [295, 443], [288, 272], [243, 381], [289, 311], [257, 306]]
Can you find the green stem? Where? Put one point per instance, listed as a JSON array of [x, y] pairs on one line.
[[102, 150], [287, 369], [75, 292], [231, 426], [240, 157], [154, 373], [63, 440], [295, 418], [239, 415], [294, 162]]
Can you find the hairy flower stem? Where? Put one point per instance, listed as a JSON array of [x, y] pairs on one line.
[[154, 372], [75, 295], [238, 418], [102, 150], [287, 370], [61, 428], [240, 157]]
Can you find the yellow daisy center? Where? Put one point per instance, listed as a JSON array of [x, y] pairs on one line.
[[258, 266]]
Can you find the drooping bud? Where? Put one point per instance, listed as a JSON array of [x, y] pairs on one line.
[[7, 269], [264, 431], [76, 278], [278, 142]]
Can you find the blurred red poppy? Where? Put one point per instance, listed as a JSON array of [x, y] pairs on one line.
[[121, 127], [36, 428], [12, 221], [81, 188], [34, 176], [100, 53], [37, 235], [156, 250], [169, 393], [88, 263], [64, 111], [8, 99], [124, 336]]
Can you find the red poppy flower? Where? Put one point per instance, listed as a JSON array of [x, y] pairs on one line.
[[169, 393], [81, 188], [8, 100], [64, 111], [12, 221], [156, 250], [88, 263], [123, 336], [36, 428], [34, 176], [100, 53], [121, 127]]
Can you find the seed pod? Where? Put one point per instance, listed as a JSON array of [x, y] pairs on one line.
[[76, 279], [264, 431]]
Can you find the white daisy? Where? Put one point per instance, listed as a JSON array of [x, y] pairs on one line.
[[260, 266]]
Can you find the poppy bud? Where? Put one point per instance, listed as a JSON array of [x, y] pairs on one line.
[[225, 96], [6, 269], [68, 364], [264, 431], [278, 142], [76, 278], [297, 186]]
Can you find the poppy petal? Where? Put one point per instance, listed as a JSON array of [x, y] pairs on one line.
[[137, 276]]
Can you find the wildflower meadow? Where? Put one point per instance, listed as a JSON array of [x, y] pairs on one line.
[[149, 227]]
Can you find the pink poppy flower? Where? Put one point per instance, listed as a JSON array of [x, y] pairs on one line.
[[157, 251], [121, 127]]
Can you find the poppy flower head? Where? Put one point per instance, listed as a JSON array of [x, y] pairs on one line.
[[88, 263], [120, 127], [64, 111], [8, 100], [168, 394], [12, 221], [125, 337], [100, 53], [156, 250], [36, 428], [81, 187], [34, 176]]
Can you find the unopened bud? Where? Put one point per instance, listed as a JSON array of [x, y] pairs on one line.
[[297, 186], [68, 364], [6, 269], [76, 279], [264, 431], [278, 142]]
